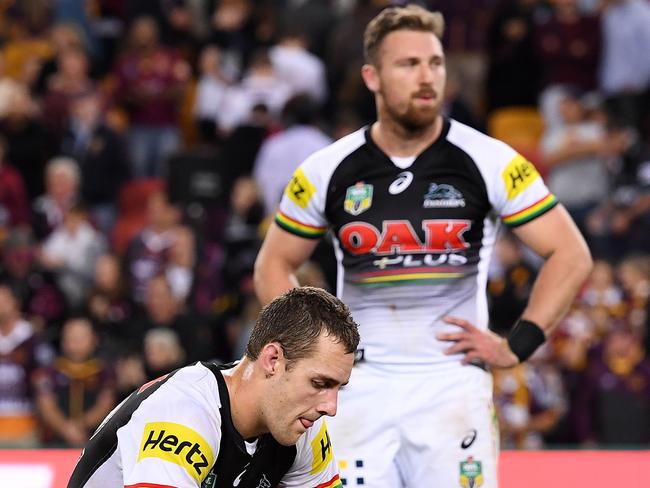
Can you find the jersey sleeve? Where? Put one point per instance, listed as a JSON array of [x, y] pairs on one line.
[[315, 465], [169, 442], [302, 208], [518, 193]]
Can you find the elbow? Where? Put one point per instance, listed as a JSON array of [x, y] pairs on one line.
[[582, 262]]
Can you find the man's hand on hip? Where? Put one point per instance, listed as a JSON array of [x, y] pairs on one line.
[[478, 345]]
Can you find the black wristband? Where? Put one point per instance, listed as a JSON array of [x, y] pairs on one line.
[[524, 339]]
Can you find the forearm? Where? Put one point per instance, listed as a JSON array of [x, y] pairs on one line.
[[273, 278], [93, 417], [557, 285], [51, 414]]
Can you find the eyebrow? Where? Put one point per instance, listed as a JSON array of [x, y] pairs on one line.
[[328, 381]]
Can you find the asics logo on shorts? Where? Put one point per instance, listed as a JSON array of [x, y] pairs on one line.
[[402, 182]]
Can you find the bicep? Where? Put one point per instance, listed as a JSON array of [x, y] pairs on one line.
[[285, 249], [551, 231]]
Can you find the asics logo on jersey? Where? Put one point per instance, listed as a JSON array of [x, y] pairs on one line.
[[237, 480], [401, 183], [469, 439], [399, 237]]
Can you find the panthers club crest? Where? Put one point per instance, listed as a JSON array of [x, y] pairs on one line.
[[358, 198]]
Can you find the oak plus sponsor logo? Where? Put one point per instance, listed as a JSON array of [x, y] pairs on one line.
[[443, 196], [177, 444], [401, 183]]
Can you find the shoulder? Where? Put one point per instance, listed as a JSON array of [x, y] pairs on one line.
[[483, 149], [328, 158]]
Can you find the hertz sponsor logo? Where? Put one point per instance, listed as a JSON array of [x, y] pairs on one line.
[[321, 450], [177, 444], [518, 176], [300, 190]]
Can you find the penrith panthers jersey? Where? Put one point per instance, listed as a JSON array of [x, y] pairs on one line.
[[177, 432], [413, 241]]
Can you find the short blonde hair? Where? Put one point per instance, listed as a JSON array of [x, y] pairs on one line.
[[411, 17]]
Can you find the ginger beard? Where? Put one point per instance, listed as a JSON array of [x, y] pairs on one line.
[[421, 111]]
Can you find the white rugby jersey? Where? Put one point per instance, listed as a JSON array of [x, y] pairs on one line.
[[413, 244], [177, 432]]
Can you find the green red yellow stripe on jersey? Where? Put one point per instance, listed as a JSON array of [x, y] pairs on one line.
[[414, 276], [531, 212], [333, 483], [298, 228]]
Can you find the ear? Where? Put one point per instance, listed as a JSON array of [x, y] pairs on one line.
[[370, 76], [271, 359]]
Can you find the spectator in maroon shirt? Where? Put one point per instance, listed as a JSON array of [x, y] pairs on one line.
[[150, 84], [14, 203], [78, 390], [614, 395], [68, 82], [568, 45]]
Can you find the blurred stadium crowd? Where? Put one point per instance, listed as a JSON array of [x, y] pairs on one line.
[[144, 146]]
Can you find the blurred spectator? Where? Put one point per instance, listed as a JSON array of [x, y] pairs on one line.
[[316, 18], [242, 145], [634, 276], [21, 354], [78, 390], [625, 67], [577, 154], [602, 296], [8, 86], [261, 85], [99, 150], [162, 353], [62, 180], [163, 247], [108, 305], [68, 82], [211, 94], [614, 396], [529, 401], [63, 37], [300, 69], [173, 18], [568, 44], [513, 76], [71, 252], [162, 310], [42, 302], [281, 153], [232, 28], [29, 146], [242, 235], [510, 287], [150, 83], [129, 369], [14, 203]]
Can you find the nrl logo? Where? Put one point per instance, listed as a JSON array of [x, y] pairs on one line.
[[443, 196], [358, 198]]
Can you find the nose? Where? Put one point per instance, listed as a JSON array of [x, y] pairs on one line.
[[426, 73], [329, 403]]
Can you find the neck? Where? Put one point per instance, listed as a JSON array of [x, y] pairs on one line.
[[244, 405], [395, 140]]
